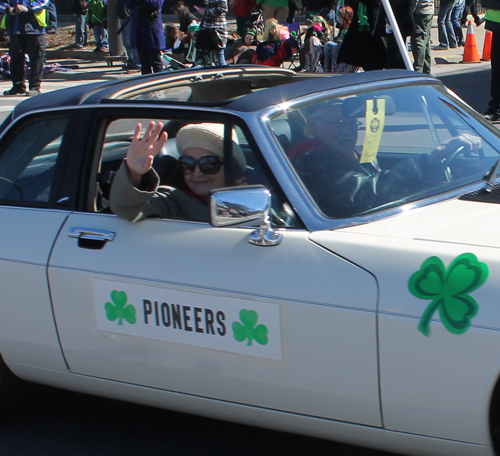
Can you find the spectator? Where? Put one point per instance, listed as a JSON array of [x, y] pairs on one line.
[[214, 18], [447, 38], [421, 37], [362, 47], [184, 43], [277, 47], [80, 9], [403, 12], [317, 35], [172, 34], [492, 19], [125, 30], [456, 16], [274, 9], [320, 8], [25, 22], [97, 20], [184, 16], [242, 10], [242, 49], [471, 8], [52, 17], [332, 48], [146, 34]]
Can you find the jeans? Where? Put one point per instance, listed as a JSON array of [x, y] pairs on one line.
[[101, 36], [132, 56], [51, 15], [456, 17], [80, 30], [219, 57], [445, 29]]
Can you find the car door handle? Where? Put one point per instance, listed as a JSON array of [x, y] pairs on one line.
[[89, 238]]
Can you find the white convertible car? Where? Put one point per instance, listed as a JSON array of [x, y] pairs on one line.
[[350, 291]]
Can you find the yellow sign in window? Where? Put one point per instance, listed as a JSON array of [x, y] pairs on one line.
[[375, 121]]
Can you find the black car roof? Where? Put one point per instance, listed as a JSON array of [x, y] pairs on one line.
[[236, 88], [265, 98]]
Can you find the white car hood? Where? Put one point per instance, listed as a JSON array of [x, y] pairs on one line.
[[458, 222]]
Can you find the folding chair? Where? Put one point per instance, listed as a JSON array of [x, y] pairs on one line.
[[294, 29]]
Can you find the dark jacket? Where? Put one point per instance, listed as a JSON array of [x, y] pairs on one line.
[[357, 187], [80, 6], [147, 28], [363, 48], [25, 23], [121, 11], [184, 22]]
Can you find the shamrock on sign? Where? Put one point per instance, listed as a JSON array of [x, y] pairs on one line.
[[248, 330], [449, 291], [118, 309]]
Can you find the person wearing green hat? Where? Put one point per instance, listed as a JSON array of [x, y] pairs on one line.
[[185, 42], [241, 51]]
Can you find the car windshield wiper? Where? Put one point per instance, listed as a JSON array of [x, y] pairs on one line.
[[491, 175]]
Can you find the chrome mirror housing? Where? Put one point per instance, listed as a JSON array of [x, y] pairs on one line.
[[245, 205]]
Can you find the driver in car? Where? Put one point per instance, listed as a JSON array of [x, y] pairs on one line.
[[135, 193], [329, 165]]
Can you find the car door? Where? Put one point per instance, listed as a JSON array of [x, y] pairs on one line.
[[185, 307], [32, 211]]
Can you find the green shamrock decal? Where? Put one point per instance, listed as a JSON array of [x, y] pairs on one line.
[[119, 309], [449, 291], [248, 330]]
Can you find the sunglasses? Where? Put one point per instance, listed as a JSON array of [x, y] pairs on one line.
[[209, 164]]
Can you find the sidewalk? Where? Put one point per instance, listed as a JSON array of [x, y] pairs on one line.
[[92, 67], [449, 61]]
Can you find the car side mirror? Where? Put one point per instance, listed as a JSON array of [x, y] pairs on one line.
[[245, 205]]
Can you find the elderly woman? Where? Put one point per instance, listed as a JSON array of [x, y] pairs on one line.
[[135, 193]]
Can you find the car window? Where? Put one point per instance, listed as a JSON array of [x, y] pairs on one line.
[[247, 166], [362, 153], [27, 163]]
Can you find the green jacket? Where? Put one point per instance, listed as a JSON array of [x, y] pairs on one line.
[[97, 13], [275, 3]]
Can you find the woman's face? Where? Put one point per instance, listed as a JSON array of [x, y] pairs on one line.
[[248, 39], [199, 183]]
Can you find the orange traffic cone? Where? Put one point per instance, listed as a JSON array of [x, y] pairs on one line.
[[471, 54], [487, 45]]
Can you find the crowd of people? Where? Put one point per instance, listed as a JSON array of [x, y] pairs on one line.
[[341, 36]]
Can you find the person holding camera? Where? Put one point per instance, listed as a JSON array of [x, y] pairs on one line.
[[25, 22]]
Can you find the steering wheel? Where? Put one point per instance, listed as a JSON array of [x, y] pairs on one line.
[[3, 179], [444, 167]]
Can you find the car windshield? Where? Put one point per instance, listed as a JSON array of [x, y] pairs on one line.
[[375, 150]]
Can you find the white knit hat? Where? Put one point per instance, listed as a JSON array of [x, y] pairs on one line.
[[209, 136]]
